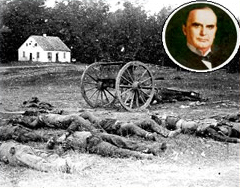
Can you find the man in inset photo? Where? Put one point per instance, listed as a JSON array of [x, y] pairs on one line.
[[197, 49], [200, 30]]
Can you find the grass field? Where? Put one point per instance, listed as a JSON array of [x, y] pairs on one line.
[[188, 161]]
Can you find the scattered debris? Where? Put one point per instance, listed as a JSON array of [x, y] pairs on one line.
[[34, 102], [172, 95]]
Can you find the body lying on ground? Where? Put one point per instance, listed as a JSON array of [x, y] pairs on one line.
[[106, 144], [22, 134], [225, 129], [220, 130], [34, 102], [169, 126], [17, 154], [86, 121], [97, 142]]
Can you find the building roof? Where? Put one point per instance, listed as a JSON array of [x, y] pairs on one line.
[[49, 43]]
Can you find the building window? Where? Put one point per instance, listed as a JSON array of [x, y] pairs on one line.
[[24, 55], [38, 55], [64, 55], [26, 44], [35, 44], [50, 55]]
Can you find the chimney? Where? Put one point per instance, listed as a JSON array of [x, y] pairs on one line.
[[44, 34]]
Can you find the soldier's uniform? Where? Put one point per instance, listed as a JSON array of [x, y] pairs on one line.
[[96, 142], [17, 154], [146, 128], [88, 122], [58, 121], [219, 130], [22, 134], [110, 145]]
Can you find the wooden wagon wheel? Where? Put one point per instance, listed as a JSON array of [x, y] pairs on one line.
[[135, 86], [94, 88]]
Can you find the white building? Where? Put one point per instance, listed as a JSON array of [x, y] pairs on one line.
[[44, 49]]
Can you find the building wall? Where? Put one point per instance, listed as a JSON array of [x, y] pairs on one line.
[[31, 51], [28, 51], [57, 56]]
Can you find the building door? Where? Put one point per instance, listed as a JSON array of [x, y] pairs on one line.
[[30, 57], [56, 57]]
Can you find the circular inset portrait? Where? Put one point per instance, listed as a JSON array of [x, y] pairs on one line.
[[201, 36]]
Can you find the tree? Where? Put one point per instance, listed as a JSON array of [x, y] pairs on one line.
[[87, 27], [22, 18], [79, 24]]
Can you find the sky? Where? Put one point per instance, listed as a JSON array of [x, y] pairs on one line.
[[154, 6]]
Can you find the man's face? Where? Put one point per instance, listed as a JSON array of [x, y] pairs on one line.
[[201, 28]]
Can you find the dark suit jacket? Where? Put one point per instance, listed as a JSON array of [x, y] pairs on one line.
[[193, 61]]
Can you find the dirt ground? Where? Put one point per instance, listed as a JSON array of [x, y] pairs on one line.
[[188, 161]]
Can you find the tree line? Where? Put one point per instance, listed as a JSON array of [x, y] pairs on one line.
[[87, 27]]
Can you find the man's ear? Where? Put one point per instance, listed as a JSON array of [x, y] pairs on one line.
[[184, 29]]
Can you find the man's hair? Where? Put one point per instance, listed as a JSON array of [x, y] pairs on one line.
[[194, 7]]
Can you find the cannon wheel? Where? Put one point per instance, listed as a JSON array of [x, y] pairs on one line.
[[93, 90], [135, 86]]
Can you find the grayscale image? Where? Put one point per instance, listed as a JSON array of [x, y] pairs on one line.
[[91, 94]]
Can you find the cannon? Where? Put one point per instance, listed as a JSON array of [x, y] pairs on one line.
[[129, 83]]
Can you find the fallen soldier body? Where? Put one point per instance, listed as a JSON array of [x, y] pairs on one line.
[[96, 142], [146, 128], [34, 102], [57, 121], [106, 144], [86, 121], [218, 130], [17, 154], [22, 134]]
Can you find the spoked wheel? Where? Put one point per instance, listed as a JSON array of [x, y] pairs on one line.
[[135, 86], [97, 90]]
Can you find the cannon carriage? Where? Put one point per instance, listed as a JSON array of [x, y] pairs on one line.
[[105, 83]]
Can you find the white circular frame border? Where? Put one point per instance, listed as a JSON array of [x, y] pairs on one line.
[[202, 2]]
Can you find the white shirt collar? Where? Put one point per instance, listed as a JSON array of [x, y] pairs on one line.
[[196, 51], [208, 64]]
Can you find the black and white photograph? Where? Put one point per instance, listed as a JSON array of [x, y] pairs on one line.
[[112, 93]]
